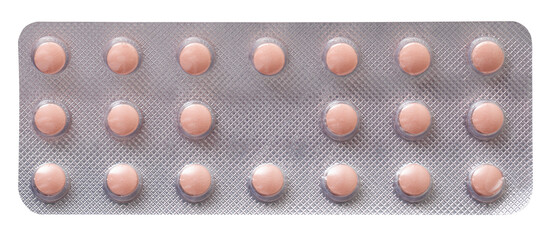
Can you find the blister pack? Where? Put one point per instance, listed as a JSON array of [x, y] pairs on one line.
[[275, 118]]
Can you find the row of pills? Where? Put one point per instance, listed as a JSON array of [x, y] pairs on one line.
[[268, 56], [341, 120], [194, 183]]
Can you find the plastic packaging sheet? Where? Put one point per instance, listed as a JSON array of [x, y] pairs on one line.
[[277, 119]]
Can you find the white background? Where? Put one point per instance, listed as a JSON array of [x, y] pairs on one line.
[[16, 221]]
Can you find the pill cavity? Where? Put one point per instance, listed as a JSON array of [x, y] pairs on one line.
[[341, 59], [340, 182], [50, 119], [413, 120], [195, 58], [123, 119], [413, 57], [413, 180], [486, 183], [196, 120], [122, 183], [487, 118], [195, 180], [50, 179], [341, 120], [122, 58], [268, 58], [487, 56], [50, 57], [267, 182]]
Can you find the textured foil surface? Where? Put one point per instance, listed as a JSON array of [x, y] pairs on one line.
[[276, 119]]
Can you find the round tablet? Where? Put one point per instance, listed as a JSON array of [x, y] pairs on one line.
[[487, 57], [487, 118], [122, 179], [50, 179], [123, 119], [341, 59], [414, 58], [341, 180], [195, 120], [50, 119], [341, 120], [268, 58], [122, 58], [50, 57], [267, 180], [414, 118], [195, 58], [414, 180], [487, 180], [195, 180]]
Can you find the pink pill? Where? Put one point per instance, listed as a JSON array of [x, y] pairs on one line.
[[487, 180], [196, 120], [122, 180], [50, 119], [122, 58], [414, 179], [341, 59], [486, 183], [268, 179], [341, 121], [487, 118], [123, 119], [268, 58], [50, 179], [341, 180], [50, 57], [195, 180], [414, 58], [195, 58], [414, 118], [487, 57]]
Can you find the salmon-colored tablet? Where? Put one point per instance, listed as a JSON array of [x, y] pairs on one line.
[[414, 180], [50, 58], [341, 180], [487, 118], [122, 58], [122, 179], [195, 58], [487, 180], [487, 57], [267, 180], [50, 119], [269, 58], [123, 119], [50, 179], [195, 180], [341, 59], [414, 118], [341, 119], [196, 119], [414, 58]]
